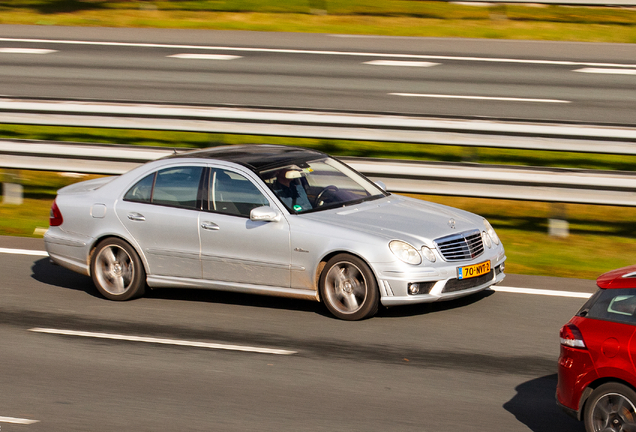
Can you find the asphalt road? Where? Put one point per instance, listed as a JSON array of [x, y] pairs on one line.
[[484, 363], [552, 81]]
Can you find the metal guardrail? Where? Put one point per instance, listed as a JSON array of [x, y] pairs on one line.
[[323, 125], [433, 178], [510, 182]]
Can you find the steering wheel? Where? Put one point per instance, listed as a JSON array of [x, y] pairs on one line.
[[319, 198]]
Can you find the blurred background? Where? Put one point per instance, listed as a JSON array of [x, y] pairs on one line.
[[565, 209], [523, 113]]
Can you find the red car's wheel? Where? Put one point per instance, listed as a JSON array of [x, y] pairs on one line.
[[611, 408]]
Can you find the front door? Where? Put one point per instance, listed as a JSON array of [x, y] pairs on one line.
[[235, 248]]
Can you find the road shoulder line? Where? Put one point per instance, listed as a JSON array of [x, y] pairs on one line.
[[553, 293], [23, 252], [163, 341]]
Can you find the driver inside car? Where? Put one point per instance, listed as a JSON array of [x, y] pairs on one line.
[[290, 191]]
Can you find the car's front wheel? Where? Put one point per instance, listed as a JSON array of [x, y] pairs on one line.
[[611, 408], [117, 270], [348, 288]]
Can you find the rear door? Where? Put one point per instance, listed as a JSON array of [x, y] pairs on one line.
[[161, 211]]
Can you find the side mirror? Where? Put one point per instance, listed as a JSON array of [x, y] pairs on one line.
[[265, 214], [381, 185]]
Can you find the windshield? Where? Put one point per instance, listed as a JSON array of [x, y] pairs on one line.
[[318, 185]]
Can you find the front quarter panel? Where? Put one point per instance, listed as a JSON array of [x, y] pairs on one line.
[[312, 242]]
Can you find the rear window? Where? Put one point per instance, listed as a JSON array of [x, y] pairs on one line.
[[617, 305]]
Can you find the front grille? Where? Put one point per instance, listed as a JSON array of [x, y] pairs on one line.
[[462, 284], [459, 247]]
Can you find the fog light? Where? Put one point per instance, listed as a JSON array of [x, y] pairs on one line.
[[414, 289], [502, 266]]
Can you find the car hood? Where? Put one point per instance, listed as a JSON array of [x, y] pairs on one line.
[[401, 218]]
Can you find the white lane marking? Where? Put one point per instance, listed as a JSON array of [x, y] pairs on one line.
[[300, 51], [17, 420], [26, 51], [205, 56], [23, 252], [490, 98], [607, 71], [164, 341], [400, 63], [541, 292], [207, 345]]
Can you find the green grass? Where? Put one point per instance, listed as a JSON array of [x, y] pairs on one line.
[[601, 237], [386, 17]]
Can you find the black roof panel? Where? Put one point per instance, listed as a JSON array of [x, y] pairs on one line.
[[255, 157]]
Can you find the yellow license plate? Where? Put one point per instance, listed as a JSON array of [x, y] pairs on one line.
[[473, 270]]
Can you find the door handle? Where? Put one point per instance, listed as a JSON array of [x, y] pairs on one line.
[[136, 217], [210, 226]]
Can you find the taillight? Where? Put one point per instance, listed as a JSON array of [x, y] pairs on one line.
[[571, 336], [55, 217]]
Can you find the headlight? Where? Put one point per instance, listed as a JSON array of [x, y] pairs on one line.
[[428, 254], [491, 232], [405, 252], [486, 239]]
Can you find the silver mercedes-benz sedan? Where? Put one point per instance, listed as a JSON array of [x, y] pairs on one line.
[[272, 220]]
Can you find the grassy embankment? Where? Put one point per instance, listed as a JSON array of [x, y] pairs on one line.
[[386, 17], [601, 237]]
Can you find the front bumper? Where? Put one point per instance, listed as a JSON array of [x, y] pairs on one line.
[[445, 285]]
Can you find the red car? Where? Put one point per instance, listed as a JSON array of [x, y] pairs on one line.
[[597, 374]]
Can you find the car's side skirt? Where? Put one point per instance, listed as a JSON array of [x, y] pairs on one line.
[[175, 282]]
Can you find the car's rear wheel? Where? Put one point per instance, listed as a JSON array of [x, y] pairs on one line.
[[611, 408], [348, 288], [117, 270]]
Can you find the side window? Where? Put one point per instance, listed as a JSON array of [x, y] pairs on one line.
[[233, 194], [177, 187], [617, 305], [141, 192]]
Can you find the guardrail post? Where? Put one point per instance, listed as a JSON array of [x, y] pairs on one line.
[[318, 7], [498, 12], [12, 191], [558, 225]]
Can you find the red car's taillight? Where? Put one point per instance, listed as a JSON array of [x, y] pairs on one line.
[[571, 336], [55, 217]]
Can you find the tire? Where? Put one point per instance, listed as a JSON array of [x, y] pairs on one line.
[[611, 407], [348, 288], [117, 271]]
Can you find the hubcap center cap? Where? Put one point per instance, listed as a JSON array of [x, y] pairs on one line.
[[117, 269], [347, 287]]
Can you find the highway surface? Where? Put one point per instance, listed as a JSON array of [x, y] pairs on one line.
[[485, 363], [591, 83], [201, 360]]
